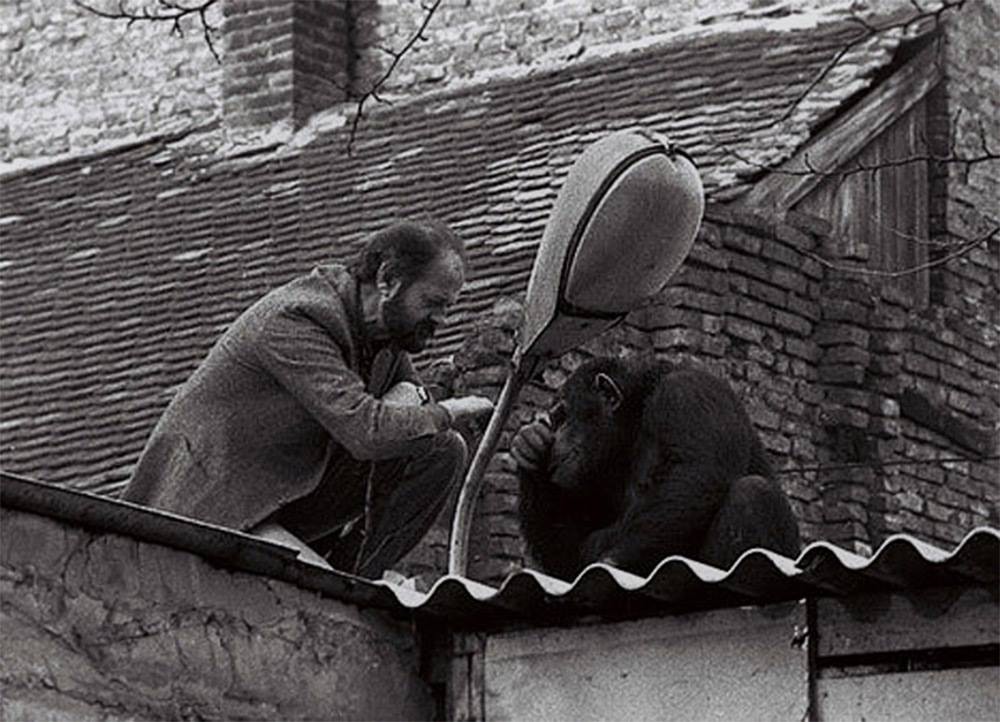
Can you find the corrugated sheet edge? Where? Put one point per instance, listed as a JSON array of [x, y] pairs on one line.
[[758, 576]]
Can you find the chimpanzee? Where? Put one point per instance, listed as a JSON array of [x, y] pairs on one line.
[[642, 459]]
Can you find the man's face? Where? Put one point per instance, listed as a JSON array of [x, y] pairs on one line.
[[413, 312]]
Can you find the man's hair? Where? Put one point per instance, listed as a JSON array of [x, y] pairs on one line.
[[410, 246]]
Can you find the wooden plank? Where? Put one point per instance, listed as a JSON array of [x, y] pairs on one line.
[[846, 136], [949, 694], [920, 186], [726, 664], [465, 678], [929, 619]]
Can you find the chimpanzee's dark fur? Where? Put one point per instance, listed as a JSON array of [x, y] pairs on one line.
[[675, 468]]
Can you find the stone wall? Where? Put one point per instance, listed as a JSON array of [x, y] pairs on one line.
[[104, 627], [467, 40], [70, 80]]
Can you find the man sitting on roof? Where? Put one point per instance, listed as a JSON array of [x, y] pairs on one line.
[[307, 422]]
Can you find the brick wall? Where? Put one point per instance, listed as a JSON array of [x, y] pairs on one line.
[[844, 382], [284, 61], [963, 115], [70, 80]]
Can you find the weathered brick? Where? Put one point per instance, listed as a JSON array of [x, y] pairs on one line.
[[884, 427], [888, 318], [971, 405], [892, 343], [960, 379], [911, 501], [778, 444], [764, 417], [771, 295], [675, 338], [841, 334], [931, 348], [744, 242], [791, 280], [763, 223], [709, 256], [753, 310], [760, 356], [715, 346], [917, 364], [837, 309], [846, 355], [937, 511], [703, 279], [841, 374], [751, 266], [744, 330], [885, 365], [806, 308], [857, 398]]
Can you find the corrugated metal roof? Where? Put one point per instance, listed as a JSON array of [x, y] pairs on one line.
[[677, 584]]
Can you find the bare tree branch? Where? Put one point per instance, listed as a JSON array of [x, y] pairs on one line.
[[961, 250], [166, 11], [174, 12], [397, 55], [985, 155]]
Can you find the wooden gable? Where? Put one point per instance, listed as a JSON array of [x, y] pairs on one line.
[[867, 173], [880, 217]]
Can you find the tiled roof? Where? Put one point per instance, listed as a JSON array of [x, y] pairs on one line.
[[677, 584], [120, 269]]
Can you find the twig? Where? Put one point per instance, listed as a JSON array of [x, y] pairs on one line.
[[867, 32], [397, 56], [961, 251], [986, 155], [168, 11]]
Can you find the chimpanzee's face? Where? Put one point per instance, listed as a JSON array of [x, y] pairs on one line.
[[584, 423]]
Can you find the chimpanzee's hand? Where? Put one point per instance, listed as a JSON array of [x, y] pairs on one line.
[[531, 445]]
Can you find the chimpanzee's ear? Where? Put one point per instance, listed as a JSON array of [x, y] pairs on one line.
[[608, 390]]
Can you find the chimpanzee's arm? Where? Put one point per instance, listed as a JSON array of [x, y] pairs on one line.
[[554, 523]]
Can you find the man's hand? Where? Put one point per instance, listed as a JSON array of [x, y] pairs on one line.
[[405, 393], [466, 408], [531, 445], [462, 409]]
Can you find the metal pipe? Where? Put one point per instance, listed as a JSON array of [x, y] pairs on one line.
[[458, 550]]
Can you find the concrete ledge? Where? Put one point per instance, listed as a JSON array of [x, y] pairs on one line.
[[101, 626]]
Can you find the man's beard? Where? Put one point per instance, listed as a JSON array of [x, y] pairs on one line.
[[406, 334]]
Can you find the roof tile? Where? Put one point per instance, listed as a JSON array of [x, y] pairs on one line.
[[119, 269]]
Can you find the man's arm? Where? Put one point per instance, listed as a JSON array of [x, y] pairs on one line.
[[302, 356]]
